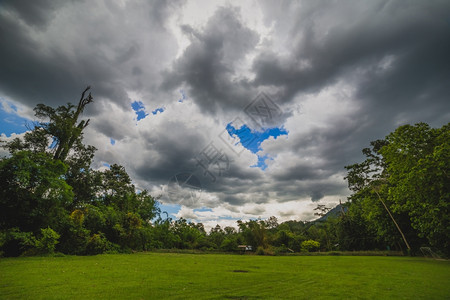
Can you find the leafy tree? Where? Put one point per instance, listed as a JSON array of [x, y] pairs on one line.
[[58, 133], [229, 244], [33, 193], [283, 237], [254, 233], [62, 125], [84, 181], [418, 160], [216, 236], [403, 186], [353, 232], [272, 222]]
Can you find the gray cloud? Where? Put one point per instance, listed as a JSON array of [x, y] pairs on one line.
[[209, 63], [348, 39], [79, 44], [35, 13]]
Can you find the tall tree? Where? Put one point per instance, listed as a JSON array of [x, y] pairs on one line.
[[407, 174], [58, 130], [33, 194], [418, 163], [62, 125]]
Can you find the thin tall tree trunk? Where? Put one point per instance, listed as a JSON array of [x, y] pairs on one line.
[[398, 227]]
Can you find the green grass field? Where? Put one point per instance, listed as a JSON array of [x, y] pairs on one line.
[[215, 276]]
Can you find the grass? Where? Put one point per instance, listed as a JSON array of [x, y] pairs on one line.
[[221, 276]]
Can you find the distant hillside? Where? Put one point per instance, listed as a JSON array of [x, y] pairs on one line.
[[334, 212]]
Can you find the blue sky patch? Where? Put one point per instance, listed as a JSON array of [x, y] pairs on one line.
[[139, 108], [171, 209], [183, 96], [113, 141], [158, 110], [261, 162], [252, 139], [202, 209], [11, 122]]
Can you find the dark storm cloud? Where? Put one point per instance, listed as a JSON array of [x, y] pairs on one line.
[[35, 13], [176, 153], [332, 41], [303, 172], [50, 52], [288, 190], [209, 62], [234, 200]]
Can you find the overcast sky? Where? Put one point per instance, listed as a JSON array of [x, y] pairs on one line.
[[230, 109]]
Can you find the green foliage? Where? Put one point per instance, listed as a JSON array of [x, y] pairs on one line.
[[98, 244], [229, 244], [62, 125], [284, 237], [418, 160], [15, 242], [404, 180], [310, 246], [47, 243], [254, 233], [33, 193], [47, 182], [260, 251]]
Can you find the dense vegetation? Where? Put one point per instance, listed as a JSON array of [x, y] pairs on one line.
[[52, 200]]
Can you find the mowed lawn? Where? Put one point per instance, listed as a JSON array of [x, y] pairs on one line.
[[215, 276]]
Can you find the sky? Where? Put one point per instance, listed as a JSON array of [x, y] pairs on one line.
[[229, 110]]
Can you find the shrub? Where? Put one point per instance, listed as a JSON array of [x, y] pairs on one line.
[[260, 251], [74, 240], [15, 242], [310, 246], [281, 250], [98, 244], [47, 243]]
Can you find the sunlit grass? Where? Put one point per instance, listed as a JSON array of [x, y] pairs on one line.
[[216, 276]]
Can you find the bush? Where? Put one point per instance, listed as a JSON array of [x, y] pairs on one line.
[[98, 244], [310, 246], [260, 251], [15, 242], [281, 250], [74, 240], [47, 243]]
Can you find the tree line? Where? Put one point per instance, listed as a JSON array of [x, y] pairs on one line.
[[51, 200]]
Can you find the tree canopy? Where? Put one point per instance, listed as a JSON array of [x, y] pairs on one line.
[[410, 171]]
